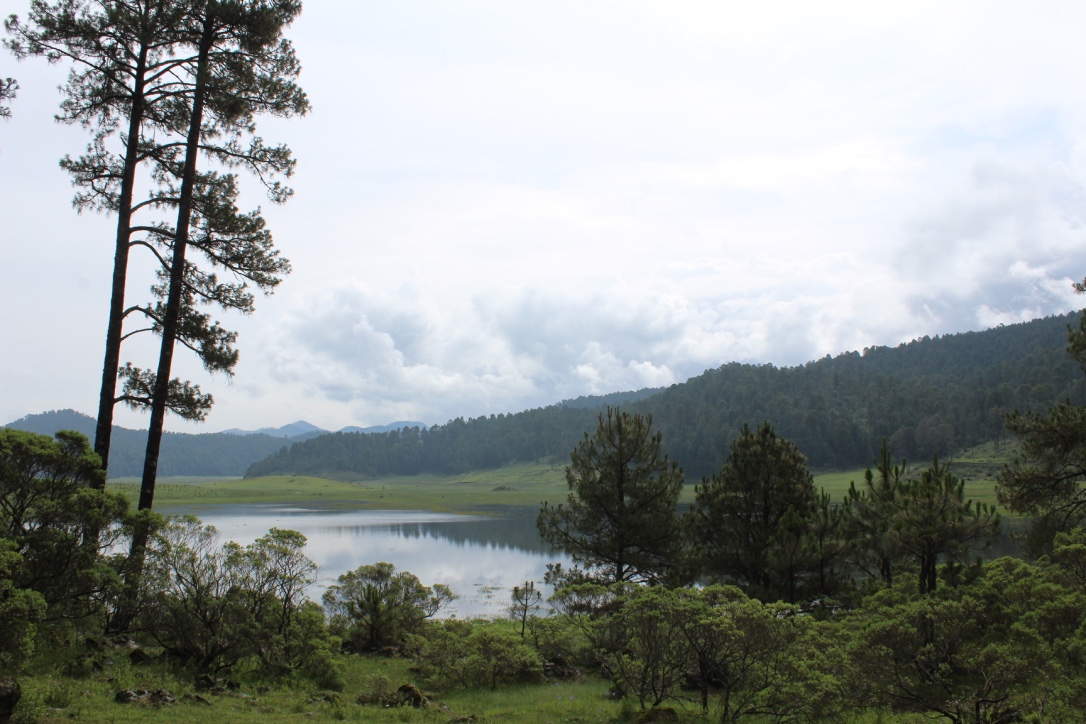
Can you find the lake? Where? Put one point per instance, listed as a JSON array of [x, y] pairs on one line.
[[479, 556]]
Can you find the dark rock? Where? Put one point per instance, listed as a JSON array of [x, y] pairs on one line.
[[10, 693], [232, 685], [196, 698], [263, 689], [203, 682], [409, 694], [656, 714], [560, 668], [129, 696], [139, 657]]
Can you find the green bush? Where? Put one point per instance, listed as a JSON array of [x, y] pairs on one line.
[[213, 606], [374, 606], [459, 653]]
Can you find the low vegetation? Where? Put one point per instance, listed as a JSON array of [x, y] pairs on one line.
[[225, 631], [514, 486]]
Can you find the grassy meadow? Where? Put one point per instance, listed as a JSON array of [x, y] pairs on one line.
[[515, 485], [526, 484], [51, 698]]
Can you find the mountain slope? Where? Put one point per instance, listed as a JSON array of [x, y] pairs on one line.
[[932, 395], [182, 453]]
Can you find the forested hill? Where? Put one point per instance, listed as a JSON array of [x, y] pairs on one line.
[[182, 454], [930, 395]]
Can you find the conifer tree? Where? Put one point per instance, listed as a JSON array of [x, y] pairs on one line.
[[8, 88], [869, 519], [242, 66], [619, 520], [1046, 479], [133, 84], [749, 520], [921, 519], [122, 62]]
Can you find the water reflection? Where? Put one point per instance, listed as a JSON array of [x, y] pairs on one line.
[[481, 557]]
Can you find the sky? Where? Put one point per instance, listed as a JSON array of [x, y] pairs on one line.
[[500, 205]]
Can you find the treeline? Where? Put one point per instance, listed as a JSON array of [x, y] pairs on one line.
[[182, 453], [932, 395]]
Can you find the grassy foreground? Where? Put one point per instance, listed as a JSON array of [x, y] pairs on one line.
[[53, 698], [526, 484], [51, 695]]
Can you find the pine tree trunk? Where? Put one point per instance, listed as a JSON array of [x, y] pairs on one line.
[[108, 395], [171, 320], [141, 534]]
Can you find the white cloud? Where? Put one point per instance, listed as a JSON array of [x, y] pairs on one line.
[[500, 206]]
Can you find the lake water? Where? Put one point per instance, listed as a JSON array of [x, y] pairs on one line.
[[480, 557]]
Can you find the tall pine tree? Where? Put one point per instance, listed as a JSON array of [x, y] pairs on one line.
[[619, 520]]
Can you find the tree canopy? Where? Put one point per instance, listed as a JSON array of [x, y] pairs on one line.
[[619, 520], [763, 495], [1046, 479]]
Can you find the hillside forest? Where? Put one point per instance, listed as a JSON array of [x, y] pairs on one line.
[[929, 396]]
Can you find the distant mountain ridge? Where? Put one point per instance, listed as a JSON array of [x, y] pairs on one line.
[[293, 429], [386, 428], [212, 453], [227, 453], [929, 395], [301, 428]]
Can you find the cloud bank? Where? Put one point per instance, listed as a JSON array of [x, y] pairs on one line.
[[500, 207]]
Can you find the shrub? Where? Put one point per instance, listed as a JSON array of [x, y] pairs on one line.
[[213, 606], [458, 653], [374, 606]]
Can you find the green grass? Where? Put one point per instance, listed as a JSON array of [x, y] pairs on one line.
[[526, 484], [978, 465], [515, 485], [50, 696], [179, 479]]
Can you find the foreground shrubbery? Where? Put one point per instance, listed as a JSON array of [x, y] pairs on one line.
[[1003, 644], [215, 626]]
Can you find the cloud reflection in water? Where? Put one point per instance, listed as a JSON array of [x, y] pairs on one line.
[[481, 557]]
